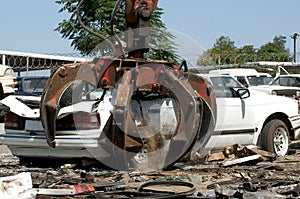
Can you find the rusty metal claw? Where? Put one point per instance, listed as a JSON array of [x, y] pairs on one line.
[[57, 84]]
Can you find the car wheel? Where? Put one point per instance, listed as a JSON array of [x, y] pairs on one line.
[[275, 137]]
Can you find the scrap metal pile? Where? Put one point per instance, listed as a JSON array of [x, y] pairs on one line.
[[267, 178]]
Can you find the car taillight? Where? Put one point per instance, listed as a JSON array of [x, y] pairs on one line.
[[13, 121], [79, 121]]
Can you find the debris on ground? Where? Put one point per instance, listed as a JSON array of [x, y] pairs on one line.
[[238, 154], [270, 177]]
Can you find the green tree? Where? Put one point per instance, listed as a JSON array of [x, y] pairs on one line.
[[96, 15], [245, 54], [206, 60], [223, 52], [224, 43], [275, 50]]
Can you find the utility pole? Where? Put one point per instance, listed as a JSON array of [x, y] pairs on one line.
[[294, 37]]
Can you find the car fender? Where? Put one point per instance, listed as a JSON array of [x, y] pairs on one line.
[[275, 107]]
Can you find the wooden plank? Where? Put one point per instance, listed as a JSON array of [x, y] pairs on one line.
[[241, 160], [215, 156]]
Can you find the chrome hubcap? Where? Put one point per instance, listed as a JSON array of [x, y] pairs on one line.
[[280, 142]]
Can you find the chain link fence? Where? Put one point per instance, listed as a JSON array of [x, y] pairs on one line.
[[234, 59], [29, 61]]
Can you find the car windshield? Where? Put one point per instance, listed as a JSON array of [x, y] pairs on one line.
[[225, 81], [34, 85], [259, 80], [287, 81]]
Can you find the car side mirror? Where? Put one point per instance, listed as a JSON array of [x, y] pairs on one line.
[[242, 93]]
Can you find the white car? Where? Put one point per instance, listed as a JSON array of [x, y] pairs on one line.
[[8, 81], [248, 77], [253, 118], [290, 80], [257, 81], [82, 128], [25, 137]]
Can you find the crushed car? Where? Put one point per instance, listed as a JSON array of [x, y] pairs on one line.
[[249, 117]]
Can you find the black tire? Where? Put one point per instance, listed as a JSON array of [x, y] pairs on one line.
[[40, 162], [1, 97], [275, 137]]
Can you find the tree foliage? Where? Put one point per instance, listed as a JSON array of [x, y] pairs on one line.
[[273, 49], [96, 15], [225, 52]]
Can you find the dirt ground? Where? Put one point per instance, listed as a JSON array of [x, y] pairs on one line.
[[261, 178]]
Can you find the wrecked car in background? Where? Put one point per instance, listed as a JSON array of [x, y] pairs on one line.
[[292, 80], [248, 117], [258, 81], [30, 85]]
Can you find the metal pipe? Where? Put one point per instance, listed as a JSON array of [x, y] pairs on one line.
[[294, 37], [27, 65], [3, 59]]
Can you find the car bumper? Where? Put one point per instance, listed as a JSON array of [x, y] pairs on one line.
[[66, 147]]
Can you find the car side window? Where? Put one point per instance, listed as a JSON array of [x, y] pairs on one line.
[[281, 81], [297, 82], [223, 86], [242, 80]]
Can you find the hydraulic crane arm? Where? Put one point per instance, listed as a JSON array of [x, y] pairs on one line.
[[137, 16], [138, 7]]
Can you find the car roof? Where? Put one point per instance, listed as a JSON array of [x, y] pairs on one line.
[[235, 71], [32, 77], [208, 75], [289, 75]]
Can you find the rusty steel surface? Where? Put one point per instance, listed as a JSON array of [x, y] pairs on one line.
[[59, 81], [132, 5]]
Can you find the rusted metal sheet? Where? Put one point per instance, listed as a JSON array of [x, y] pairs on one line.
[[57, 84]]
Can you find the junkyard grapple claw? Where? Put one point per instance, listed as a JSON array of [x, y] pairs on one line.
[[137, 80], [185, 102]]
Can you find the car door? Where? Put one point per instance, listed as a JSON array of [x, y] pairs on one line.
[[234, 122], [234, 115]]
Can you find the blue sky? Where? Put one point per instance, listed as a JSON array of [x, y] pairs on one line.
[[29, 25]]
